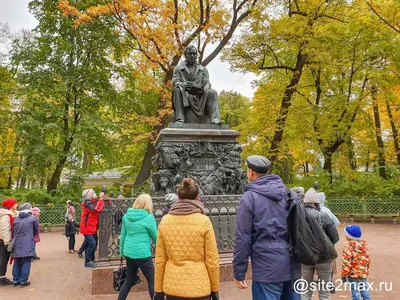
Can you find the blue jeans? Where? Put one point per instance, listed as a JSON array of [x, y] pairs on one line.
[[274, 291], [359, 288], [21, 269], [91, 246]]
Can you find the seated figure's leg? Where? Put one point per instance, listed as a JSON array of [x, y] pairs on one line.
[[212, 107], [177, 101]]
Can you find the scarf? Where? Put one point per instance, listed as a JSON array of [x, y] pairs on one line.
[[187, 207]]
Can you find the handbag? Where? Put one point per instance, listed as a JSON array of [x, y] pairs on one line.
[[11, 245], [120, 276], [330, 247]]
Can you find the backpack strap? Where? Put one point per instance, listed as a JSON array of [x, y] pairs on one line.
[[289, 219]]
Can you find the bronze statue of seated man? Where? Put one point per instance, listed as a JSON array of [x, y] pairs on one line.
[[193, 100]]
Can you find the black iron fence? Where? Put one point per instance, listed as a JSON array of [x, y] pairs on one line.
[[221, 210]]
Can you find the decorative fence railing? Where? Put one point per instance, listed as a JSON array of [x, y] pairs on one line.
[[344, 206], [221, 210], [54, 215]]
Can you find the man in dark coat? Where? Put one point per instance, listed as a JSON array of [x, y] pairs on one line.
[[25, 227], [261, 233], [192, 89]]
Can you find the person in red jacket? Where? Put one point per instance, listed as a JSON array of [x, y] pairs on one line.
[[6, 223], [91, 208]]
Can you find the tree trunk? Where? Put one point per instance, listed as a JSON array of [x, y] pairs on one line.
[[19, 172], [378, 132], [146, 167], [84, 162], [24, 170], [367, 163], [9, 180], [55, 178], [286, 176], [285, 105], [395, 132], [350, 153], [22, 182], [307, 169], [328, 164]]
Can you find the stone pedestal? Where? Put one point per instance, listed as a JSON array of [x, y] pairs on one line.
[[207, 153], [102, 279]]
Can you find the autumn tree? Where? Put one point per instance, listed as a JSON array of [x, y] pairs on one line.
[[234, 108], [157, 33], [66, 80], [281, 46]]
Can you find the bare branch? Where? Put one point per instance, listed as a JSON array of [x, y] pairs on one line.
[[175, 20], [278, 67], [234, 24], [382, 18], [305, 97]]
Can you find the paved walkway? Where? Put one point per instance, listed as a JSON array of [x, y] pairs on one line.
[[61, 276]]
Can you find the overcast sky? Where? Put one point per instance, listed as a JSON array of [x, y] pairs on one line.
[[15, 13]]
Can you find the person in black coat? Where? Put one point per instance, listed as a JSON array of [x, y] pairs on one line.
[[70, 231]]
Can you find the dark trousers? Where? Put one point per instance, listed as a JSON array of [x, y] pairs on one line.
[[21, 269], [91, 247], [4, 256], [180, 298], [147, 268], [83, 246], [71, 242]]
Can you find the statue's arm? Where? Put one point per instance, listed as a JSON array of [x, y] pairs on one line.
[[205, 81], [177, 80]]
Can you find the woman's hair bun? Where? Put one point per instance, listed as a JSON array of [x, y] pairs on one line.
[[188, 189], [186, 182]]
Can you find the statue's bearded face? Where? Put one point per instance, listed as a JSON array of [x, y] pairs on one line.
[[163, 182], [191, 56]]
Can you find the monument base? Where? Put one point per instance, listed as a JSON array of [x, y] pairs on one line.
[[102, 279], [208, 153]]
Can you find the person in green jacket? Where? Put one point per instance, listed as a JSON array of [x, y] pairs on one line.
[[138, 230]]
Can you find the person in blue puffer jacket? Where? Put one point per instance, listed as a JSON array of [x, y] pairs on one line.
[[261, 233]]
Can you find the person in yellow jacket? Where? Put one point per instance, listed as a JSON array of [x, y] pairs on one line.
[[187, 261]]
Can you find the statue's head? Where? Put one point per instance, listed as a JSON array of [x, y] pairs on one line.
[[191, 54], [164, 180]]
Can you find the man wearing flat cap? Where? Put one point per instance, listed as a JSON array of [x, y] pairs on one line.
[[261, 233]]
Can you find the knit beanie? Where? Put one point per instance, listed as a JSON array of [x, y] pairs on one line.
[[35, 211], [353, 232], [298, 190], [25, 206], [87, 194], [311, 196], [9, 203]]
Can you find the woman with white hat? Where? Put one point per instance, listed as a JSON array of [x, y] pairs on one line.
[[322, 222]]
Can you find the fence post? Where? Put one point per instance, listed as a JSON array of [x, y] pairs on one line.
[[105, 227]]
